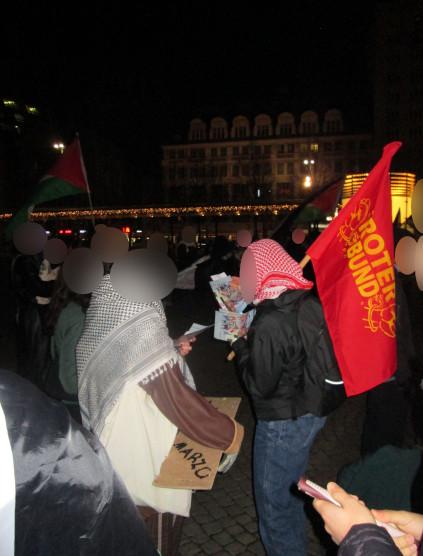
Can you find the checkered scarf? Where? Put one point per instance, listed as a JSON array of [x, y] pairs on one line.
[[276, 271], [122, 341]]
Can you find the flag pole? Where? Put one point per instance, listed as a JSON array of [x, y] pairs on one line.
[[304, 261], [90, 201]]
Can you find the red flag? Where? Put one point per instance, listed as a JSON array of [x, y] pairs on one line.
[[353, 262]]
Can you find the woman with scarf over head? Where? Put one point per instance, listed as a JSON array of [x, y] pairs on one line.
[[135, 391], [271, 360]]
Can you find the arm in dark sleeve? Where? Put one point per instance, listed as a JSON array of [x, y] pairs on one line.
[[367, 539], [263, 357], [192, 413]]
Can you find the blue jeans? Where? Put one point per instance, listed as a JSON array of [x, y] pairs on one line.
[[281, 451]]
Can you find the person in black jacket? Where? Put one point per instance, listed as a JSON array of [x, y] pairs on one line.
[[271, 362], [69, 500], [353, 527]]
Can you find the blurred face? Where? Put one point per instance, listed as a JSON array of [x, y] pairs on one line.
[[248, 276]]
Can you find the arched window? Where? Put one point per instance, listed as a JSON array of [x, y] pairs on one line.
[[240, 128], [309, 123], [285, 125], [263, 126], [218, 129], [197, 130], [333, 122]]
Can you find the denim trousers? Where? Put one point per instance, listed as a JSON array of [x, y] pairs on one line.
[[281, 451]]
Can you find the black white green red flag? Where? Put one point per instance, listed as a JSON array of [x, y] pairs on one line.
[[66, 177]]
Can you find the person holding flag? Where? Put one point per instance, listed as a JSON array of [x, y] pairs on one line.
[[272, 362]]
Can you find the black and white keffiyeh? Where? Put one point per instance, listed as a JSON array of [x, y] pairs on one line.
[[122, 341]]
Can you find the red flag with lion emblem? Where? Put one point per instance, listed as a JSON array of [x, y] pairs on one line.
[[353, 262]]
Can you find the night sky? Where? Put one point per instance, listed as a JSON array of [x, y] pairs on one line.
[[137, 75]]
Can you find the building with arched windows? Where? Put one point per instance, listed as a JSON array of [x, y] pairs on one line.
[[263, 158]]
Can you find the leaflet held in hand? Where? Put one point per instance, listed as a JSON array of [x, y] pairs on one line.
[[230, 321]]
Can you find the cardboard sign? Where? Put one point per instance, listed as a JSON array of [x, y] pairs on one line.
[[191, 465]]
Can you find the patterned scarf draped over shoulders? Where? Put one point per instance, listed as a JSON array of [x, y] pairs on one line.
[[122, 342]]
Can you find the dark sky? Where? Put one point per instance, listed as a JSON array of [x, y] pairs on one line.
[[138, 74]]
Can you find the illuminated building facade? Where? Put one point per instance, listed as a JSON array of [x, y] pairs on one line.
[[402, 186], [262, 160]]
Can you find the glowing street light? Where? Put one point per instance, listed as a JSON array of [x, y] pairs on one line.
[[59, 147], [307, 179]]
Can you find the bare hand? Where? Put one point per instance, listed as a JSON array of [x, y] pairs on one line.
[[183, 345], [410, 523], [338, 521], [406, 545]]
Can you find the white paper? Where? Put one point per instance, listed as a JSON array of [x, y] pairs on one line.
[[218, 276], [195, 327]]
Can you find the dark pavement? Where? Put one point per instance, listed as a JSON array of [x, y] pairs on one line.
[[223, 520]]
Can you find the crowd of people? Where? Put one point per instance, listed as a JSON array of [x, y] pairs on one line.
[[117, 388]]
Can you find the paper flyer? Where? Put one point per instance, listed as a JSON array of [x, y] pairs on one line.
[[229, 325]]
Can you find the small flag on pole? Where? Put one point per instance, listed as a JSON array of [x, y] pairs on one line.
[[314, 207], [66, 177]]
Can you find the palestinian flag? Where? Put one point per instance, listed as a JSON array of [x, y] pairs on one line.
[[66, 177], [314, 208]]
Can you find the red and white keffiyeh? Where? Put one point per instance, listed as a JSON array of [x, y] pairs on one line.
[[276, 271]]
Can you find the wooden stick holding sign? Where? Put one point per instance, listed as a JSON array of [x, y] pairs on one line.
[[191, 465], [302, 264]]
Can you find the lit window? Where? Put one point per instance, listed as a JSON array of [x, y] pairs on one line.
[[8, 102], [31, 109], [314, 147]]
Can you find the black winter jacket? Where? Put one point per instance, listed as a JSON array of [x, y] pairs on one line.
[[271, 359], [368, 539]]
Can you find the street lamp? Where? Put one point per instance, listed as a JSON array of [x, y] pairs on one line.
[[59, 147], [310, 167]]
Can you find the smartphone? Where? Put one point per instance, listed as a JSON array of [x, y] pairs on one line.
[[316, 491]]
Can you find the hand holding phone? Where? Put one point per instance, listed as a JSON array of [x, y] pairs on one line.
[[316, 491]]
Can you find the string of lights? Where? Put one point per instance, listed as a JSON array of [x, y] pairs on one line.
[[158, 212]]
